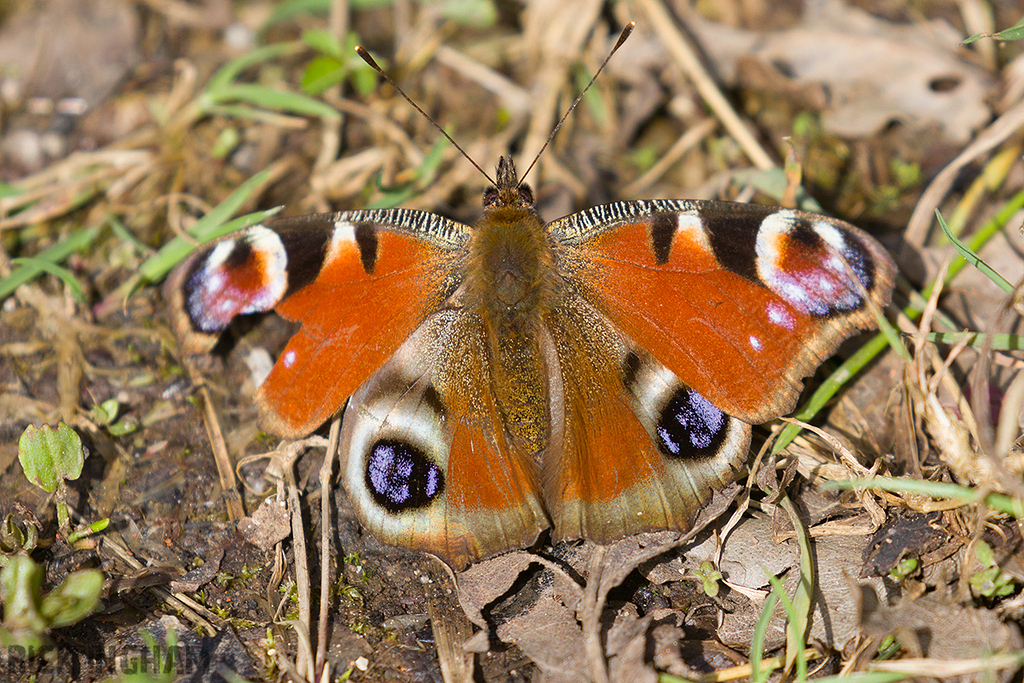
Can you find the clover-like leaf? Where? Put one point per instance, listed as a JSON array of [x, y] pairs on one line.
[[106, 412], [709, 577], [49, 456], [990, 581]]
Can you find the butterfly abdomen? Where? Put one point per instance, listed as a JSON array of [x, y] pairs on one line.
[[511, 283]]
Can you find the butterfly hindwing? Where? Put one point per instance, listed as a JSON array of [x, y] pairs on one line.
[[426, 459], [632, 448], [739, 301], [359, 283]]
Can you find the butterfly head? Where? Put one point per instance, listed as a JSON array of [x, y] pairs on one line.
[[508, 191]]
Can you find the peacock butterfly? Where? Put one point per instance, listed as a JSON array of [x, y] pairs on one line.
[[597, 376]]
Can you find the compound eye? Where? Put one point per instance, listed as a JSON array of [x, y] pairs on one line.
[[526, 195]]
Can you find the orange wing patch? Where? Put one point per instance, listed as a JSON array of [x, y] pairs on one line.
[[605, 474], [734, 341], [352, 320]]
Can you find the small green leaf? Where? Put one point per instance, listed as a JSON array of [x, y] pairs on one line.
[[74, 599], [984, 553], [904, 568], [364, 79], [227, 142], [644, 157], [106, 412], [350, 593], [888, 648], [322, 73], [123, 427], [709, 576], [20, 582], [991, 581], [49, 456]]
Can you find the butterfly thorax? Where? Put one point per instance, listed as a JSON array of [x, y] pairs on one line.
[[510, 269], [510, 275]]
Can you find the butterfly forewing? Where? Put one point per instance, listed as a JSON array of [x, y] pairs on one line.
[[739, 301], [359, 283]]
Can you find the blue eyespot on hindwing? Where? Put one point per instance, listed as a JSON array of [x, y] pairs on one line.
[[690, 426], [401, 477]]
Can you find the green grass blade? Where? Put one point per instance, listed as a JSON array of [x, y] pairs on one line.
[[972, 257], [865, 677], [65, 275], [283, 11], [211, 225], [230, 71], [793, 616], [178, 248], [878, 343], [978, 340], [831, 386], [31, 268], [759, 673], [269, 98], [800, 614], [936, 489], [1015, 32], [985, 233]]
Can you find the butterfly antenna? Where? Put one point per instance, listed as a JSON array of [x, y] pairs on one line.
[[622, 38], [369, 60]]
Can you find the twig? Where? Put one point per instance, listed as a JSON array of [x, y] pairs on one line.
[[304, 659], [225, 471], [687, 141], [189, 608], [325, 540], [1002, 128], [664, 24], [556, 38], [514, 96], [449, 624], [593, 604]]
